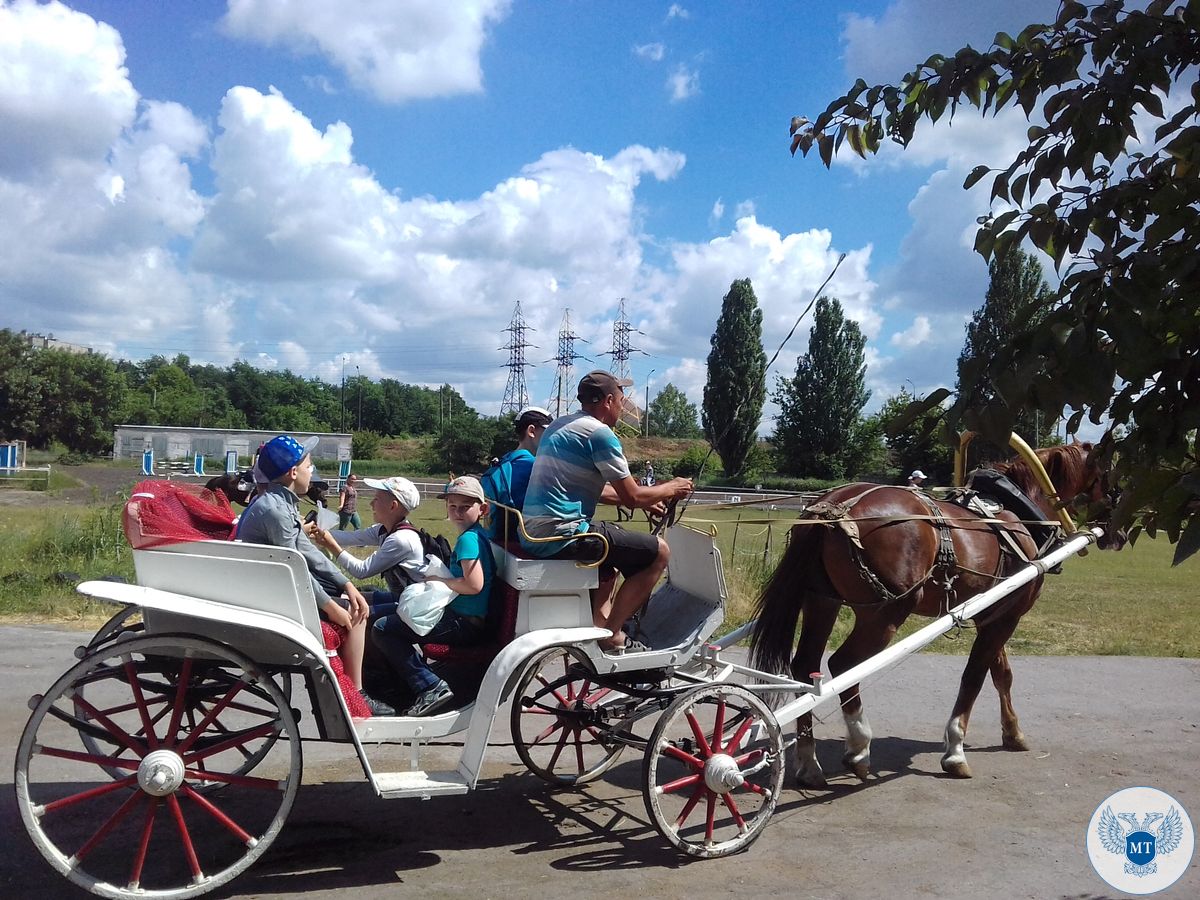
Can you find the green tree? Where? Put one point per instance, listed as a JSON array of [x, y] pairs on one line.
[[736, 387], [463, 446], [912, 442], [21, 388], [1122, 342], [819, 406], [1017, 300], [83, 394], [671, 415]]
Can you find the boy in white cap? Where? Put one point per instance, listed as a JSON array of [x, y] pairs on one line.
[[916, 478], [400, 553], [274, 518], [464, 621]]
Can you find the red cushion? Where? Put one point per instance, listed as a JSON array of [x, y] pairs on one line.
[[503, 618]]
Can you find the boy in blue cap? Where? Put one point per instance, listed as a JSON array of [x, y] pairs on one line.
[[274, 518]]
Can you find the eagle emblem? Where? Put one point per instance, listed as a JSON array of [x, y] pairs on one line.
[[1140, 842]]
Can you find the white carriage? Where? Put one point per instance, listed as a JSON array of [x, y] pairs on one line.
[[165, 761]]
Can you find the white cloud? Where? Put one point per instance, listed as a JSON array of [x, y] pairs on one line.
[[396, 51], [913, 336], [64, 88], [94, 185], [653, 52], [744, 209], [885, 48], [683, 83], [675, 11], [718, 213]]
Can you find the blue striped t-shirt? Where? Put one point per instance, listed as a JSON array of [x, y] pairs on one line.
[[577, 456]]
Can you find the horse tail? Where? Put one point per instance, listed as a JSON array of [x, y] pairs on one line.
[[773, 637]]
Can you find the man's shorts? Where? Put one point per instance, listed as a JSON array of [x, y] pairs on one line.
[[629, 552]]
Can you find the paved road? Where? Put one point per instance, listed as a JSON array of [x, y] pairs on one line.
[[1016, 830]]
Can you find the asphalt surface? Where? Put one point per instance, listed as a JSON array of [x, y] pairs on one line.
[[1095, 725]]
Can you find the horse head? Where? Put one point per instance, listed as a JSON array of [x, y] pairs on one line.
[[1085, 487]]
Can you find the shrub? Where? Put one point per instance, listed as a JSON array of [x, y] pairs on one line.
[[365, 445]]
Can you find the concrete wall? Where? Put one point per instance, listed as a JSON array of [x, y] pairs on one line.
[[170, 442]]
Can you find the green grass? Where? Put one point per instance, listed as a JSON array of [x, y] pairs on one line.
[[1107, 603]]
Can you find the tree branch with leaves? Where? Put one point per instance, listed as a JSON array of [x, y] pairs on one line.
[[1109, 188]]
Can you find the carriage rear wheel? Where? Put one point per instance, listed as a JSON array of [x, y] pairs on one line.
[[157, 678], [713, 770], [128, 815], [563, 723]]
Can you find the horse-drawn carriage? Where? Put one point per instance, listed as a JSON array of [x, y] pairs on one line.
[[166, 760]]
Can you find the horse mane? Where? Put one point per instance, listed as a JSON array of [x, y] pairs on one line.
[[1067, 466]]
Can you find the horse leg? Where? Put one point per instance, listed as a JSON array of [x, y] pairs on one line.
[[873, 630], [1010, 728], [820, 614], [989, 642]]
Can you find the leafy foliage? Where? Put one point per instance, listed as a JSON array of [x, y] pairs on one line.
[[1110, 185], [671, 415], [819, 406], [1017, 301], [82, 394], [912, 441], [21, 396], [365, 444], [736, 388]]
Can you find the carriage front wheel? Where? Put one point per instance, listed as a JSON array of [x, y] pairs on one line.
[[713, 770], [128, 814], [563, 723]]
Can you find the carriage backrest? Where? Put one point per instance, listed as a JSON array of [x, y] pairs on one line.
[[249, 576]]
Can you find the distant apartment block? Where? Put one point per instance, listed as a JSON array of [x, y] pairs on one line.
[[50, 342]]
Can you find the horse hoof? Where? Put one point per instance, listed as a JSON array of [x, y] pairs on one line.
[[1015, 742], [956, 769], [811, 780], [862, 770]]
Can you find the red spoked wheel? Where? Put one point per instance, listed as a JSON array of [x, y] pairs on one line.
[[713, 770], [162, 720], [563, 723]]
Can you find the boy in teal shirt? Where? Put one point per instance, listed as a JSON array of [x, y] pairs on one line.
[[464, 621]]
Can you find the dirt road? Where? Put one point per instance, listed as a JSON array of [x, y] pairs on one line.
[[1016, 830]]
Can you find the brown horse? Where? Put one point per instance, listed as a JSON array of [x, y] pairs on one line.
[[884, 552], [238, 487]]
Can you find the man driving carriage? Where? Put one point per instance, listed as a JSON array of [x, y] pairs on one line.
[[579, 463]]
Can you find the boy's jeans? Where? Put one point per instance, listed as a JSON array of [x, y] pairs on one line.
[[395, 641]]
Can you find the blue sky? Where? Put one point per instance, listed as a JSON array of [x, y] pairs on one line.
[[294, 183]]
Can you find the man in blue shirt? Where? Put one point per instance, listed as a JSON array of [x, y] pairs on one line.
[[506, 481], [579, 463]]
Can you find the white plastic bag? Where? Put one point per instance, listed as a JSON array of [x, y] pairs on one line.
[[421, 604]]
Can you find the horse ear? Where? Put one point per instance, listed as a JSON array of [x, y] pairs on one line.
[[1054, 463]]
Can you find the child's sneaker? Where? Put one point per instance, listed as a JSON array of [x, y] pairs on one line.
[[432, 700], [377, 707]]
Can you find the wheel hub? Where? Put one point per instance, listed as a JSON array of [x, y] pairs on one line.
[[721, 773], [160, 772]]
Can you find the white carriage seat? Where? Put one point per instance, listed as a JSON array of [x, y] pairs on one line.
[[246, 576]]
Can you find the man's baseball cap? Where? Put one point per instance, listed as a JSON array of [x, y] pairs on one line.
[[465, 486], [401, 488], [598, 384], [917, 473], [280, 454], [532, 415]]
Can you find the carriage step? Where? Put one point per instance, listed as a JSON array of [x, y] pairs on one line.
[[416, 783]]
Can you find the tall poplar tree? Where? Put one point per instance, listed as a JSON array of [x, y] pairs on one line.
[[820, 406], [1017, 301], [737, 371]]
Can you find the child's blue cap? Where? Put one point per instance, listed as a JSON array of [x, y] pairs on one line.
[[282, 453]]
